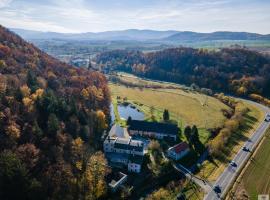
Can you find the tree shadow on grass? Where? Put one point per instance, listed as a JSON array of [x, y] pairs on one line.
[[239, 136], [211, 160], [223, 157]]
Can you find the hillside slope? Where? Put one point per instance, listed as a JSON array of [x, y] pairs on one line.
[[49, 114], [236, 71]]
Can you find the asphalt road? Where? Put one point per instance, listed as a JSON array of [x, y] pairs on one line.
[[188, 174], [227, 178]]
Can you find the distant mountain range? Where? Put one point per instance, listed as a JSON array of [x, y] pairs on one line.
[[143, 35], [130, 34]]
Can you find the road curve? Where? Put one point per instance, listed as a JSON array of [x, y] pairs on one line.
[[227, 178]]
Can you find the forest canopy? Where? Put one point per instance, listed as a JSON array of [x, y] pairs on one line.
[[237, 71], [52, 116]]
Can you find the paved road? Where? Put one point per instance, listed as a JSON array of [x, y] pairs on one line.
[[229, 175], [188, 174]]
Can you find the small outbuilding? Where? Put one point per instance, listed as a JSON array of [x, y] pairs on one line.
[[178, 151]]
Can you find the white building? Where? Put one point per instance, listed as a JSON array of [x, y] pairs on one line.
[[123, 151], [135, 163]]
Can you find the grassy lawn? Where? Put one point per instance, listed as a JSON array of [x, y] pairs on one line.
[[193, 192], [256, 178], [211, 170], [184, 107], [118, 119]]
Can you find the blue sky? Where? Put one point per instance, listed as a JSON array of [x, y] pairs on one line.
[[105, 15]]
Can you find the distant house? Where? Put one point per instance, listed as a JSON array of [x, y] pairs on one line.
[[153, 129], [121, 150], [178, 151]]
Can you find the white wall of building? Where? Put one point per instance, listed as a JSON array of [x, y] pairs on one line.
[[134, 167]]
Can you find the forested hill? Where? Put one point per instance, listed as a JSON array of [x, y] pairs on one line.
[[187, 36], [51, 118], [236, 71]]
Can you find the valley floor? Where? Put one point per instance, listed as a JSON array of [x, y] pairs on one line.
[[186, 107]]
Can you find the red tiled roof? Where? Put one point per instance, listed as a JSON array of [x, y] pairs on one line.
[[180, 147]]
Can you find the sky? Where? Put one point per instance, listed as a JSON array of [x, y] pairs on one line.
[[106, 15]]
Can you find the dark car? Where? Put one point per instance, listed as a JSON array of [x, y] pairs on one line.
[[245, 149], [233, 164], [217, 189]]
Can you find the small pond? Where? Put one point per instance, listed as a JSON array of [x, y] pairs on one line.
[[128, 110]]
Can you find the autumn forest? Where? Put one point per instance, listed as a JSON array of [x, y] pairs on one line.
[[52, 117], [237, 71]]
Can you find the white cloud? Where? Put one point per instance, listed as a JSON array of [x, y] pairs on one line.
[[83, 15], [4, 3]]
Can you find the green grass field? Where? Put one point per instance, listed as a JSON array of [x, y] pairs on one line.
[[183, 106], [256, 178]]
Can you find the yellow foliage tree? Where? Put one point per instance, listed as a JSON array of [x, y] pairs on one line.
[[2, 64], [96, 170], [38, 93], [28, 103], [13, 130], [161, 194], [85, 93], [242, 90], [216, 145], [232, 124], [3, 84], [101, 120], [25, 90], [50, 74]]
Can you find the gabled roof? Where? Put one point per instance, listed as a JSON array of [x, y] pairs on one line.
[[170, 129], [179, 147], [122, 143], [118, 131], [128, 144]]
